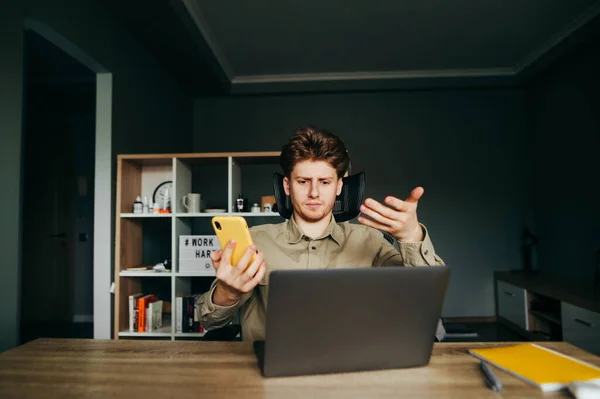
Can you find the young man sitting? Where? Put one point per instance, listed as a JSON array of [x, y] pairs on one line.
[[314, 162]]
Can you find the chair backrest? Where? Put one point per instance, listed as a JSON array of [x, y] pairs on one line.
[[346, 206], [390, 238]]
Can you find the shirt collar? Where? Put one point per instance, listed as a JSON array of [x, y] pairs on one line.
[[295, 233]]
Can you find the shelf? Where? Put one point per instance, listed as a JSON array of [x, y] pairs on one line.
[[164, 331], [195, 274], [147, 159], [145, 215], [141, 273], [244, 214], [200, 215]]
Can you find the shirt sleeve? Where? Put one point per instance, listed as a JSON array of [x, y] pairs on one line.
[[411, 253], [213, 316]]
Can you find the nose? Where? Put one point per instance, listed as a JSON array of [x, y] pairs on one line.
[[314, 190]]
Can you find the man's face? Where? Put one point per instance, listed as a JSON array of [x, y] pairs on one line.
[[312, 187]]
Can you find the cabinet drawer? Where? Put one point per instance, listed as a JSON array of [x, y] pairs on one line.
[[512, 304], [581, 327]]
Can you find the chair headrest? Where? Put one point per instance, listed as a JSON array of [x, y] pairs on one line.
[[346, 206]]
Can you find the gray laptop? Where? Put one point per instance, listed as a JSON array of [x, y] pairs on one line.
[[342, 320]]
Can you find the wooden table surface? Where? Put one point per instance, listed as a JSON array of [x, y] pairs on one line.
[[86, 368]]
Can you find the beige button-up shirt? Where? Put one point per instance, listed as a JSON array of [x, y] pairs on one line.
[[285, 246]]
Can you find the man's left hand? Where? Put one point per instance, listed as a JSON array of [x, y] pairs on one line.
[[396, 217]]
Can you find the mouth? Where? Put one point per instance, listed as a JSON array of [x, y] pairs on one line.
[[313, 205]]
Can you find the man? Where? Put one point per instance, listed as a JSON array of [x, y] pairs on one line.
[[314, 162]]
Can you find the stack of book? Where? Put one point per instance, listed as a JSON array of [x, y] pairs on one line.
[[185, 315], [145, 313]]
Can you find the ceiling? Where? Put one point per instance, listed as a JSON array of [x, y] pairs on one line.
[[236, 47]]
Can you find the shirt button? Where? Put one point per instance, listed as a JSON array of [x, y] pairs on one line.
[[426, 252], [313, 247]]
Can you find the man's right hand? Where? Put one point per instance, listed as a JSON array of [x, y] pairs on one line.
[[236, 280]]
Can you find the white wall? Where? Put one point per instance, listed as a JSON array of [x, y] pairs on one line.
[[467, 148], [150, 112]]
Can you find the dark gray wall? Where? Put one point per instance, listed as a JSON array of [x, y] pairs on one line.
[[467, 148], [150, 112], [11, 99], [564, 108]]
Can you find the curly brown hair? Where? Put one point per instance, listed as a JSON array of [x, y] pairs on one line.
[[312, 144]]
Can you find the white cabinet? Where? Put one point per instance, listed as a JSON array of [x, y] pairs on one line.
[[581, 327], [512, 304]]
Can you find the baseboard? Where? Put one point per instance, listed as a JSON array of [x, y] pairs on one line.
[[474, 319], [83, 318]]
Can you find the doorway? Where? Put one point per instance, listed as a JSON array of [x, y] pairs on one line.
[[58, 193]]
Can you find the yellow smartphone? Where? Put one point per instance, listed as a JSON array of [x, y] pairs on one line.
[[229, 228]]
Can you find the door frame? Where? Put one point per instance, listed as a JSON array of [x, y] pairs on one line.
[[103, 196]]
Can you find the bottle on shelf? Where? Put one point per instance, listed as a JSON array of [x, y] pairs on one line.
[[240, 203], [138, 206], [145, 204]]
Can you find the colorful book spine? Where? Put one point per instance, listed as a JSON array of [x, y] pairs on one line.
[[142, 304], [133, 311]]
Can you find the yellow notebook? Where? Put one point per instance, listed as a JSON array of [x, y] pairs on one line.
[[547, 369]]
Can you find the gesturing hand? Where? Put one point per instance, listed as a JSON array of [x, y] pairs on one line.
[[236, 280], [398, 218]]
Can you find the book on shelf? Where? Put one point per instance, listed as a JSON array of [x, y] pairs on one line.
[[142, 305], [133, 311], [186, 318], [138, 268], [154, 315], [544, 368], [146, 312], [178, 314], [189, 313]]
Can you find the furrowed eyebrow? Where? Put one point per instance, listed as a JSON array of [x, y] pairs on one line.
[[309, 178]]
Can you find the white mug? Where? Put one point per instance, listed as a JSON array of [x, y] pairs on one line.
[[191, 202]]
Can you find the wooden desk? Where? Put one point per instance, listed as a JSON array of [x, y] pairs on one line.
[[69, 368]]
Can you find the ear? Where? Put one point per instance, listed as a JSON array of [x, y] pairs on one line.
[[286, 185], [340, 184]]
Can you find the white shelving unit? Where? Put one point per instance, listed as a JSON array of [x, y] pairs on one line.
[[219, 178], [132, 273]]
